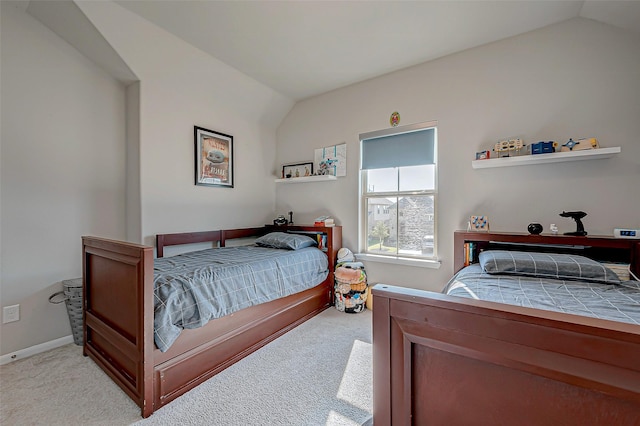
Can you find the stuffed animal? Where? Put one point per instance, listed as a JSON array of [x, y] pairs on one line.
[[324, 167], [345, 255]]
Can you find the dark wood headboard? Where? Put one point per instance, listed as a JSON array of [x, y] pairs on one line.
[[333, 233], [442, 359], [219, 237], [603, 248]]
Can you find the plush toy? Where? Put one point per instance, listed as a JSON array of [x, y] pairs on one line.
[[345, 255], [324, 167], [351, 276], [343, 288]]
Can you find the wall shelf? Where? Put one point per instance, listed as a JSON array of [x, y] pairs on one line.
[[304, 179], [553, 157]]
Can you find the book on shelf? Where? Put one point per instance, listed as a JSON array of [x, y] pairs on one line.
[[326, 225], [470, 253], [324, 221], [322, 241]]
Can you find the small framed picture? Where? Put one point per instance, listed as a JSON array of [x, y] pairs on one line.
[[213, 157], [297, 170], [478, 223]]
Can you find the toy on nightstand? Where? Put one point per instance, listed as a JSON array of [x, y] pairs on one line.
[[580, 232], [534, 228], [280, 221]]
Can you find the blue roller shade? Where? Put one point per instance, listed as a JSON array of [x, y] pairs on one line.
[[400, 150]]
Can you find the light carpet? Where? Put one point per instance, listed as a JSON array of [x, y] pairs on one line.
[[319, 373]]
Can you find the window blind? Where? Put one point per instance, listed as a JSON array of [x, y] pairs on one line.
[[413, 148]]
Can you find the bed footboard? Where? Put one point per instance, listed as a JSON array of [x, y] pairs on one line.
[[444, 360], [118, 319]]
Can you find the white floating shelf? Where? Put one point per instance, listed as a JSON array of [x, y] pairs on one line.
[[304, 179], [552, 157]]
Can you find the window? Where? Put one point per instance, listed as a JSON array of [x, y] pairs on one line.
[[398, 192]]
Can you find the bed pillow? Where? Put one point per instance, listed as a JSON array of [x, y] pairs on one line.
[[282, 240], [546, 265]]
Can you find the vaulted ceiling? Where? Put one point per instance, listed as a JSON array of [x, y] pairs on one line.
[[305, 48]]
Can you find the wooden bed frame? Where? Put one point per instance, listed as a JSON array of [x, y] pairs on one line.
[[442, 359], [119, 308]]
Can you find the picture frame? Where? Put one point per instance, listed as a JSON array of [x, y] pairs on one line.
[[331, 160], [297, 170], [213, 158], [478, 224]]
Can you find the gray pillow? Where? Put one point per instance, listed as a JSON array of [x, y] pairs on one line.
[[282, 240], [546, 265]]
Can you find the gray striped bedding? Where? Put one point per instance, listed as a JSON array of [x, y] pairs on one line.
[[193, 288], [617, 302]]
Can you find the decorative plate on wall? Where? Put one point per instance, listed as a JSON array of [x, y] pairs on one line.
[[394, 120]]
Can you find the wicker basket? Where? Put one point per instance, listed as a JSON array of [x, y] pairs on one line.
[[72, 297]]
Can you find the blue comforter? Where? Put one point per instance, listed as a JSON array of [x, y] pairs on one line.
[[616, 302], [193, 288]]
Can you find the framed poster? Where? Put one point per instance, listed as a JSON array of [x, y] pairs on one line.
[[214, 158], [331, 160]]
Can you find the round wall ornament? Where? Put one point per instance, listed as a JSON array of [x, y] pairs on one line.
[[394, 120]]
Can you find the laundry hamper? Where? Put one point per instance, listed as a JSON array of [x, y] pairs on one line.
[[71, 295], [351, 289]]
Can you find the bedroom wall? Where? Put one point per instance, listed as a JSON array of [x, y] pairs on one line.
[[180, 86], [62, 171], [575, 79], [136, 189]]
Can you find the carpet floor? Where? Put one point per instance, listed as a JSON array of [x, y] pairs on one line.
[[319, 373]]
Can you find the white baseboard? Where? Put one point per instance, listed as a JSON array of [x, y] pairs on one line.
[[33, 350]]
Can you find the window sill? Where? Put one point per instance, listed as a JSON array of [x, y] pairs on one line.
[[406, 261]]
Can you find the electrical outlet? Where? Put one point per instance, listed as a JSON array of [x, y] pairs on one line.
[[10, 313]]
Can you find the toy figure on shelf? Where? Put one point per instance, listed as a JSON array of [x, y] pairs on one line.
[[324, 167], [580, 232], [483, 155], [505, 148], [569, 145], [543, 147], [580, 144]]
